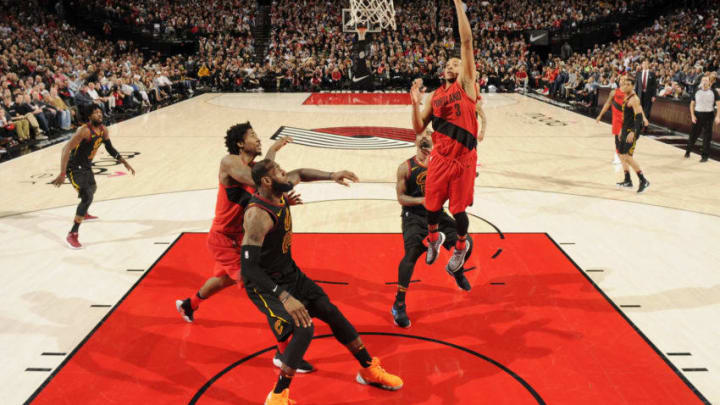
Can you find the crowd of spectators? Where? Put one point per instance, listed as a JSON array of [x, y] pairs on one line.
[[680, 49], [511, 15], [50, 72], [172, 18]]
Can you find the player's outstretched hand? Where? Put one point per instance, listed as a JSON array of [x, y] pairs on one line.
[[294, 198], [342, 175], [281, 142], [297, 310], [59, 180], [416, 91], [129, 168]]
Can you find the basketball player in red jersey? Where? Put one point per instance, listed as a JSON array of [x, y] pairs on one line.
[[615, 100], [234, 191], [451, 169]]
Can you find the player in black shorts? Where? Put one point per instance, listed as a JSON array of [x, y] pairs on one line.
[[281, 291], [410, 190], [633, 122], [76, 163]]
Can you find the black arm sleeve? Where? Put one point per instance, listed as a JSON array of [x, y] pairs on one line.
[[251, 270], [638, 124], [110, 150]]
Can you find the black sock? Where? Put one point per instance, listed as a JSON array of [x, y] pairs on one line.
[[76, 226], [627, 177], [640, 176], [283, 383], [400, 296], [363, 357]]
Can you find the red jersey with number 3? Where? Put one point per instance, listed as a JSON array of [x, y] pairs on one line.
[[454, 120]]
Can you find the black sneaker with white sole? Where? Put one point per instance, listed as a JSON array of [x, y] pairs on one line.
[[624, 184], [185, 309], [304, 367], [643, 185], [400, 317]]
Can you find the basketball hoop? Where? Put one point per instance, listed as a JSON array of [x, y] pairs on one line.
[[375, 15], [361, 31]]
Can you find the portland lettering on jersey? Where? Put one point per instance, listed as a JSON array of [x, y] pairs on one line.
[[450, 98]]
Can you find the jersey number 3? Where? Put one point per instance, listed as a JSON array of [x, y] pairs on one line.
[[457, 110]]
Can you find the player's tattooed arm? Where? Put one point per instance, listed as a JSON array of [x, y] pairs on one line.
[[257, 224], [400, 189], [305, 175]]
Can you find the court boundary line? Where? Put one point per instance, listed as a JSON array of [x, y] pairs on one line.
[[667, 361], [100, 323]]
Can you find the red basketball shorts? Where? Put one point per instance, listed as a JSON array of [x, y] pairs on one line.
[[450, 179], [225, 249]]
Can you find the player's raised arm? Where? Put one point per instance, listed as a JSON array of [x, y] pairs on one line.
[[279, 144], [420, 118], [305, 175], [467, 75], [82, 134]]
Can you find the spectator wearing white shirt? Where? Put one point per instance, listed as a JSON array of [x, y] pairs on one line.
[[108, 101], [704, 102]]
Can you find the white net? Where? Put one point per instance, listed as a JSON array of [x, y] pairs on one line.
[[372, 13]]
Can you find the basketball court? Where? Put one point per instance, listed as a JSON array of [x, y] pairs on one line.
[[582, 293]]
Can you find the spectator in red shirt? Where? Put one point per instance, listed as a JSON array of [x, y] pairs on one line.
[[521, 78]]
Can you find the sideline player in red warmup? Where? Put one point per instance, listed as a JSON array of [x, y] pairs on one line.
[[451, 169], [615, 101]]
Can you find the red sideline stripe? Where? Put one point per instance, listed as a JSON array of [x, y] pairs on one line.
[[358, 99]]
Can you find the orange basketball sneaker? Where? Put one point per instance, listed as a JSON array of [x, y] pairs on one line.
[[282, 398], [376, 376]]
